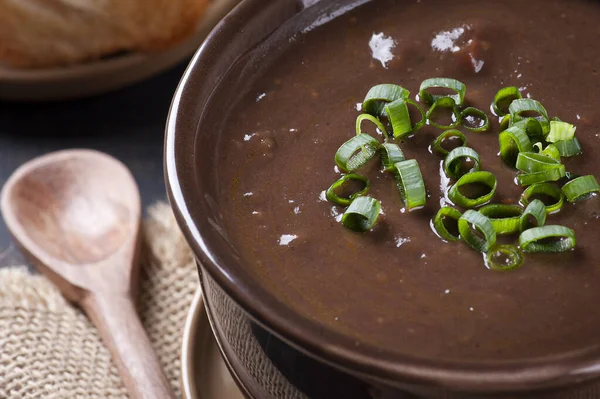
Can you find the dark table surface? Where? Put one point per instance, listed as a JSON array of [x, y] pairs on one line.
[[128, 124]]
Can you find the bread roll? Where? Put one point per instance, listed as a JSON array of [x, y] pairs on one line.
[[45, 33]]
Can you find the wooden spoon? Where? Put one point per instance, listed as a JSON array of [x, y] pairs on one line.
[[76, 215]]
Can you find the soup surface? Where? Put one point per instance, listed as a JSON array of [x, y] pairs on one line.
[[399, 287]]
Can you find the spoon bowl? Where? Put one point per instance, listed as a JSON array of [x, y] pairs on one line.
[[76, 216]]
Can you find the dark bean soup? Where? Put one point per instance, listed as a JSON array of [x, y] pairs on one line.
[[399, 286]]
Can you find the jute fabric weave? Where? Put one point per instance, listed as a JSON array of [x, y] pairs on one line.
[[49, 349]]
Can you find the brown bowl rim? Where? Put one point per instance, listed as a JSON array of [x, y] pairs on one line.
[[327, 345]]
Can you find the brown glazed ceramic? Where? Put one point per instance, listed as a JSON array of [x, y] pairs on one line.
[[276, 352]]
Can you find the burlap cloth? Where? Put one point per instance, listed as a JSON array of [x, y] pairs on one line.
[[49, 349]]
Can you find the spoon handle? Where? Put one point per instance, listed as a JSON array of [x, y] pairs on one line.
[[120, 327]]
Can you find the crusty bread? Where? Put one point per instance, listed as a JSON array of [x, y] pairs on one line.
[[44, 33]]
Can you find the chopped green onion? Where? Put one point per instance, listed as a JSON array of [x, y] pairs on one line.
[[581, 188], [453, 162], [372, 119], [510, 258], [472, 221], [399, 117], [527, 179], [569, 148], [411, 184], [444, 214], [362, 214], [552, 151], [560, 131], [505, 218], [536, 239], [484, 178], [472, 114], [530, 162], [438, 144], [390, 155], [442, 83], [523, 106], [380, 95], [356, 152], [533, 128], [332, 195], [544, 189], [513, 141], [536, 210], [504, 98], [504, 123], [444, 102]]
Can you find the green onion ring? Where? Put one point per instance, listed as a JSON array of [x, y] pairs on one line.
[[552, 151], [530, 162], [581, 188], [399, 117], [504, 123], [505, 218], [513, 141], [452, 84], [536, 210], [529, 241], [371, 119], [379, 95], [560, 131], [356, 152], [474, 112], [336, 199], [569, 148], [513, 255], [506, 96], [518, 107], [474, 220], [437, 145], [482, 177], [533, 128], [452, 163], [544, 189], [390, 155], [527, 179], [444, 102], [362, 214], [440, 227], [411, 184]]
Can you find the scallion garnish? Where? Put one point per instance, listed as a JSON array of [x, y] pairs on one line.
[[444, 102], [444, 215], [411, 184], [532, 127], [581, 188], [513, 141], [504, 98], [470, 224], [380, 95], [390, 155], [544, 190], [356, 152], [522, 108], [475, 119], [453, 134], [442, 83], [372, 119], [547, 239], [474, 178], [560, 131], [454, 162], [332, 192], [362, 214], [552, 151], [504, 123], [504, 258], [533, 216], [569, 148], [527, 179], [530, 162], [399, 117], [505, 218]]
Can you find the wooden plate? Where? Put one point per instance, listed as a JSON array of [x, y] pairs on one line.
[[104, 75], [204, 374]]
